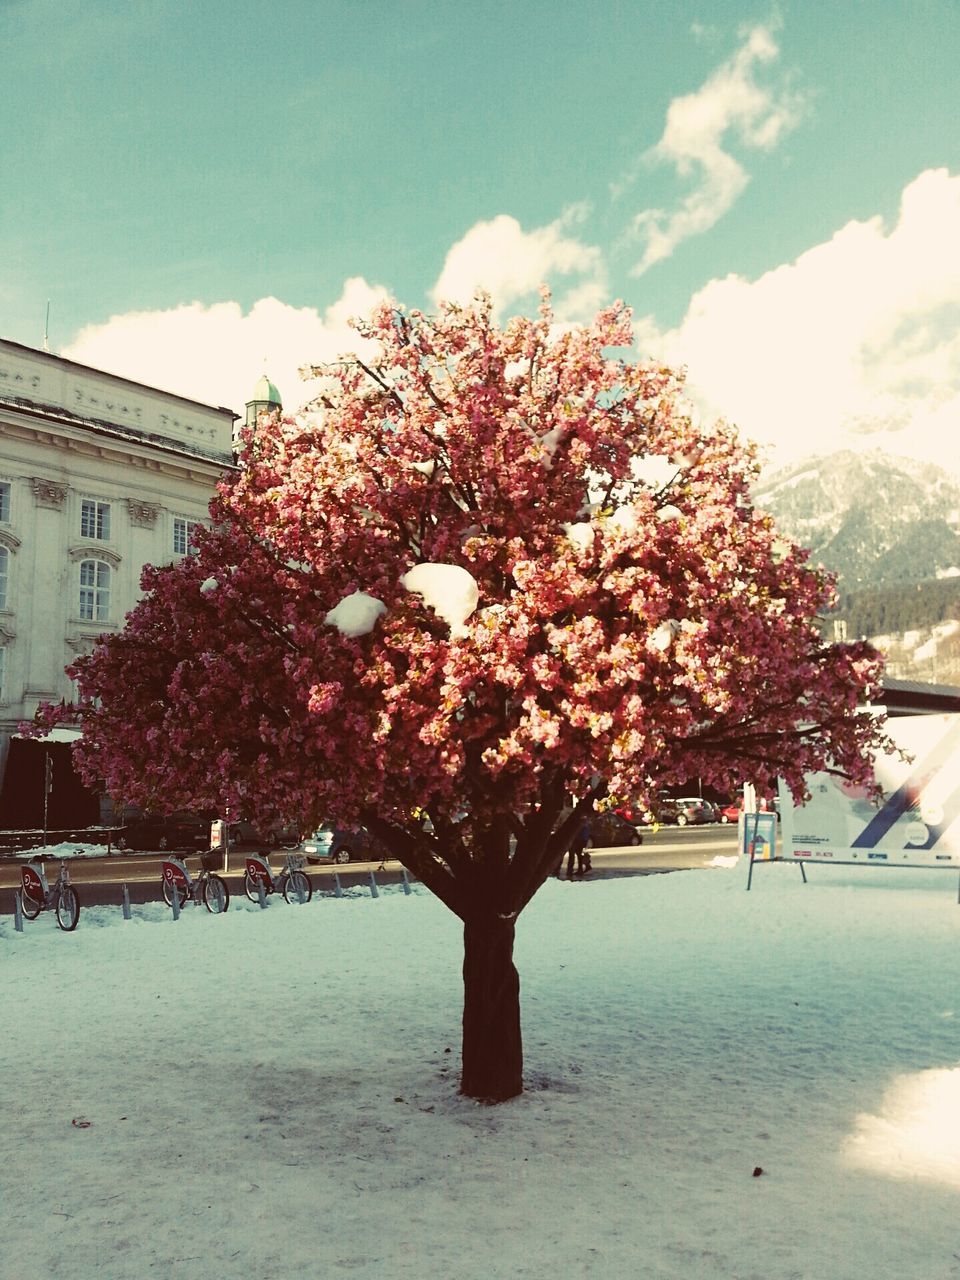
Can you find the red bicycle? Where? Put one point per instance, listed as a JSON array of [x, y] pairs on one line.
[[207, 888], [293, 882], [36, 895]]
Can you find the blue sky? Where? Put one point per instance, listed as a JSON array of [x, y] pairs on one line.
[[199, 189]]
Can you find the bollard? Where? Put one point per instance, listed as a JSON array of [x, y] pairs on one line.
[[17, 913], [337, 887], [261, 892], [374, 891], [126, 903], [406, 882], [301, 896], [175, 901]]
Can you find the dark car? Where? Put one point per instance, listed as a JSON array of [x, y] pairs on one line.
[[178, 832], [610, 830], [244, 835], [330, 843]]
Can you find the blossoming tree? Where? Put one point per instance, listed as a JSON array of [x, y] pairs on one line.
[[493, 576]]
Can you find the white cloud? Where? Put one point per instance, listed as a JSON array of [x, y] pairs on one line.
[[730, 106], [216, 353], [855, 344], [510, 263]]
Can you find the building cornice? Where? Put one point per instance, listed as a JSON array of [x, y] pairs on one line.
[[115, 445], [50, 358]]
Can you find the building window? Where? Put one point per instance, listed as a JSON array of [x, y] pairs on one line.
[[4, 502], [94, 590], [94, 519], [183, 531], [4, 575]]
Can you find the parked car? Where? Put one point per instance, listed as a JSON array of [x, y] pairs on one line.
[[731, 812], [660, 811], [330, 843], [610, 830], [634, 813], [180, 831], [244, 835], [693, 810]]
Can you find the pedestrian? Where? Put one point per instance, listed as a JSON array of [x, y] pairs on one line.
[[578, 852]]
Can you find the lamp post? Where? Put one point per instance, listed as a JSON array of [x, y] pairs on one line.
[[47, 788]]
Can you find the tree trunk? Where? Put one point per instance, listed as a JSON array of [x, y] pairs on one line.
[[492, 1046]]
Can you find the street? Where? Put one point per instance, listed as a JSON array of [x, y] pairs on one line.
[[100, 880]]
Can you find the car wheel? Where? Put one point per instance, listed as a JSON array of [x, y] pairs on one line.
[[163, 843], [343, 854], [635, 837], [122, 843], [724, 818], [681, 819]]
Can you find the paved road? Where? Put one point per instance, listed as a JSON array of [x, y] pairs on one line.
[[100, 881], [669, 849]]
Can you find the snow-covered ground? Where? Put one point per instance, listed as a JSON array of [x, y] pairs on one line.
[[272, 1094], [65, 849]]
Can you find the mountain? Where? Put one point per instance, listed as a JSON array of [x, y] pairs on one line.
[[890, 529], [874, 519]]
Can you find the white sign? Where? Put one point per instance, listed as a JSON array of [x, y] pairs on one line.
[[917, 821]]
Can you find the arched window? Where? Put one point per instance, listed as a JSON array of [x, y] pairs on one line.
[[94, 590], [4, 575]]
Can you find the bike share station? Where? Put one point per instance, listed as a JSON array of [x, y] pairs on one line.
[[914, 823], [211, 889]]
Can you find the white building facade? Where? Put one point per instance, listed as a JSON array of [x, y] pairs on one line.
[[99, 476]]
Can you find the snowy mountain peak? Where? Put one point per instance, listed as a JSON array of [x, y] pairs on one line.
[[873, 518]]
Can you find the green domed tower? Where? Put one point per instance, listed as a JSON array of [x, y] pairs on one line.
[[265, 399]]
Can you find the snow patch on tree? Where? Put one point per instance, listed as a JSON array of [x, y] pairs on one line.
[[580, 534], [356, 614], [448, 589]]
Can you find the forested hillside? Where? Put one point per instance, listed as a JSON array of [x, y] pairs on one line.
[[901, 607]]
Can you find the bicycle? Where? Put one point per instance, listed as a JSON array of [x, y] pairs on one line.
[[37, 896], [293, 882], [208, 888]]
